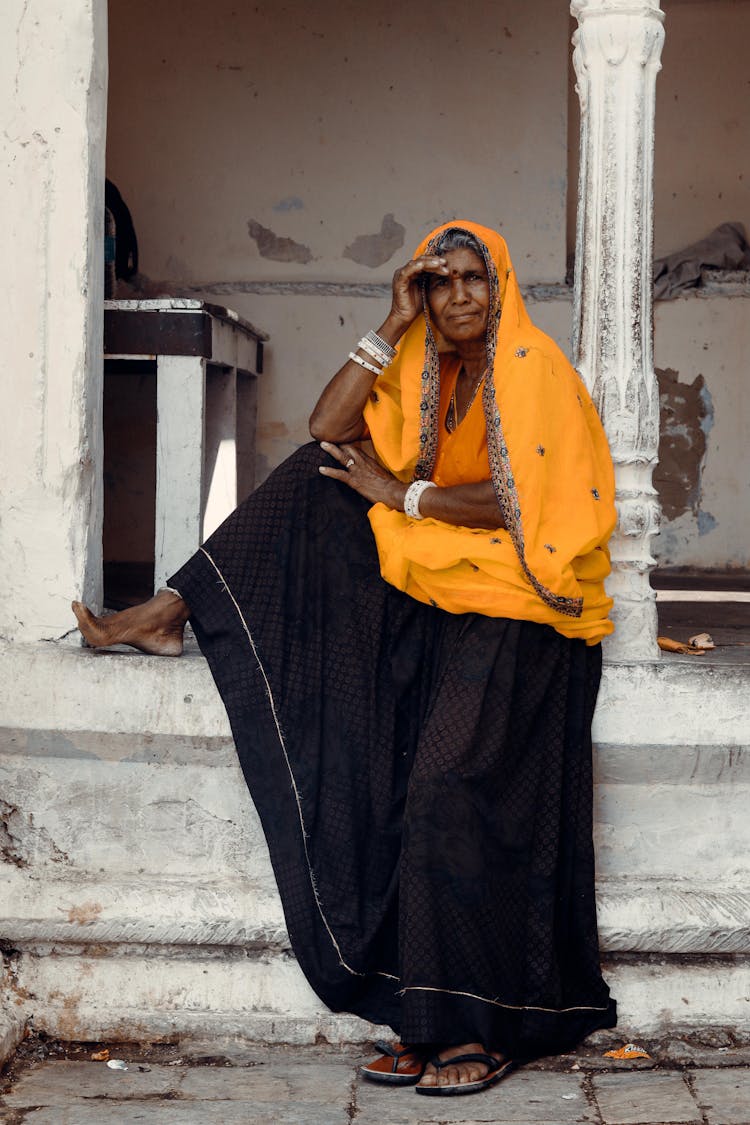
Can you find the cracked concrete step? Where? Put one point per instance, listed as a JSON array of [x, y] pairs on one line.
[[56, 686], [140, 790], [81, 908], [79, 992], [139, 891]]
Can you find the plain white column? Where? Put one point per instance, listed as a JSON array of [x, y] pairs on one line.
[[53, 111], [617, 51]]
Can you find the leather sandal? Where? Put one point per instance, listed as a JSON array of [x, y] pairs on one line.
[[395, 1066], [498, 1068]]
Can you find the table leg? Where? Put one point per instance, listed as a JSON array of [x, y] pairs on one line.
[[180, 428], [220, 460]]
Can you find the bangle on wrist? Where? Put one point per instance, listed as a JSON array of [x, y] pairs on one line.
[[363, 363], [412, 497], [379, 345], [377, 350]]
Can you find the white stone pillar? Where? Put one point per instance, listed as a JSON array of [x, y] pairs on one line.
[[53, 90], [617, 57]]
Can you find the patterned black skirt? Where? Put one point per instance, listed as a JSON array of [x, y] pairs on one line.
[[423, 778]]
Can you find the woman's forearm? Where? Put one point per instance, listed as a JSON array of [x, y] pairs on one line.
[[465, 505], [337, 417]]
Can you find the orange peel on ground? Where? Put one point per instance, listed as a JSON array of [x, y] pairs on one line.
[[628, 1051], [666, 644]]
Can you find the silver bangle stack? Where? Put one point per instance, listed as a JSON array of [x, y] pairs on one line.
[[378, 349], [413, 494]]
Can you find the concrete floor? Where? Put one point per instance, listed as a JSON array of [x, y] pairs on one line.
[[203, 1083]]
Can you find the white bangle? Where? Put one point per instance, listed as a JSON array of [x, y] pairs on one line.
[[363, 363], [379, 356], [411, 498]]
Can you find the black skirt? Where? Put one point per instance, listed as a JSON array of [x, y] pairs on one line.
[[423, 778]]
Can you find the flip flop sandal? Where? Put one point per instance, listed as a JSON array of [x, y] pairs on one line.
[[392, 1067], [498, 1069]]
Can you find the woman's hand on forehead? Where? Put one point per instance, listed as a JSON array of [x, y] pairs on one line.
[[407, 286]]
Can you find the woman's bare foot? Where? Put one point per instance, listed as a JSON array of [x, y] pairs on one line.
[[155, 627], [460, 1074]]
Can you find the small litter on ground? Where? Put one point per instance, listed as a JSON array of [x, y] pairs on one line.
[[628, 1051]]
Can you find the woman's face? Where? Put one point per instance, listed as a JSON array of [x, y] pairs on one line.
[[459, 302]]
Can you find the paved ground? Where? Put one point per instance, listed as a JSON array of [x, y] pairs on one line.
[[209, 1083]]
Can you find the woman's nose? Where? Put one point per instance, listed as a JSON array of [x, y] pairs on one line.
[[459, 292]]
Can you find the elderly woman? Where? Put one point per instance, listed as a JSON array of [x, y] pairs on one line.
[[404, 625]]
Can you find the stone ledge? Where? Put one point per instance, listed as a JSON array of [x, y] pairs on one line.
[[672, 919], [646, 917], [712, 764], [178, 911], [103, 996], [54, 687]]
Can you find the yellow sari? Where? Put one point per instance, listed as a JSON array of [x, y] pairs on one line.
[[535, 434]]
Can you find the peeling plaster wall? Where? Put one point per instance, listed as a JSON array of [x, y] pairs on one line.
[[705, 423], [329, 123], [702, 159], [284, 142], [702, 178], [253, 152], [53, 73], [702, 150]]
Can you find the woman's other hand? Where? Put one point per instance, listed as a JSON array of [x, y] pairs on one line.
[[364, 475]]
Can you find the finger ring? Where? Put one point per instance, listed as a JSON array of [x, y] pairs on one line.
[[349, 463]]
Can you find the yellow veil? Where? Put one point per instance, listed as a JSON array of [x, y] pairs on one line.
[[549, 463]]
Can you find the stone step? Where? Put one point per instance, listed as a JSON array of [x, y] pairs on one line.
[[634, 917], [669, 702], [109, 993], [138, 895], [170, 805]]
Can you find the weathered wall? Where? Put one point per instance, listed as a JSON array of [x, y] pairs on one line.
[[53, 73], [702, 165], [254, 152], [274, 141], [705, 423], [702, 178], [702, 155], [280, 143]]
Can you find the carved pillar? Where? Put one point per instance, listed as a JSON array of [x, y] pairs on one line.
[[617, 50]]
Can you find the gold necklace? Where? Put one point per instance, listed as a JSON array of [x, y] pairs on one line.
[[451, 415]]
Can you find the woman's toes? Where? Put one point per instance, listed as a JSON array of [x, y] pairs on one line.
[[88, 623]]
